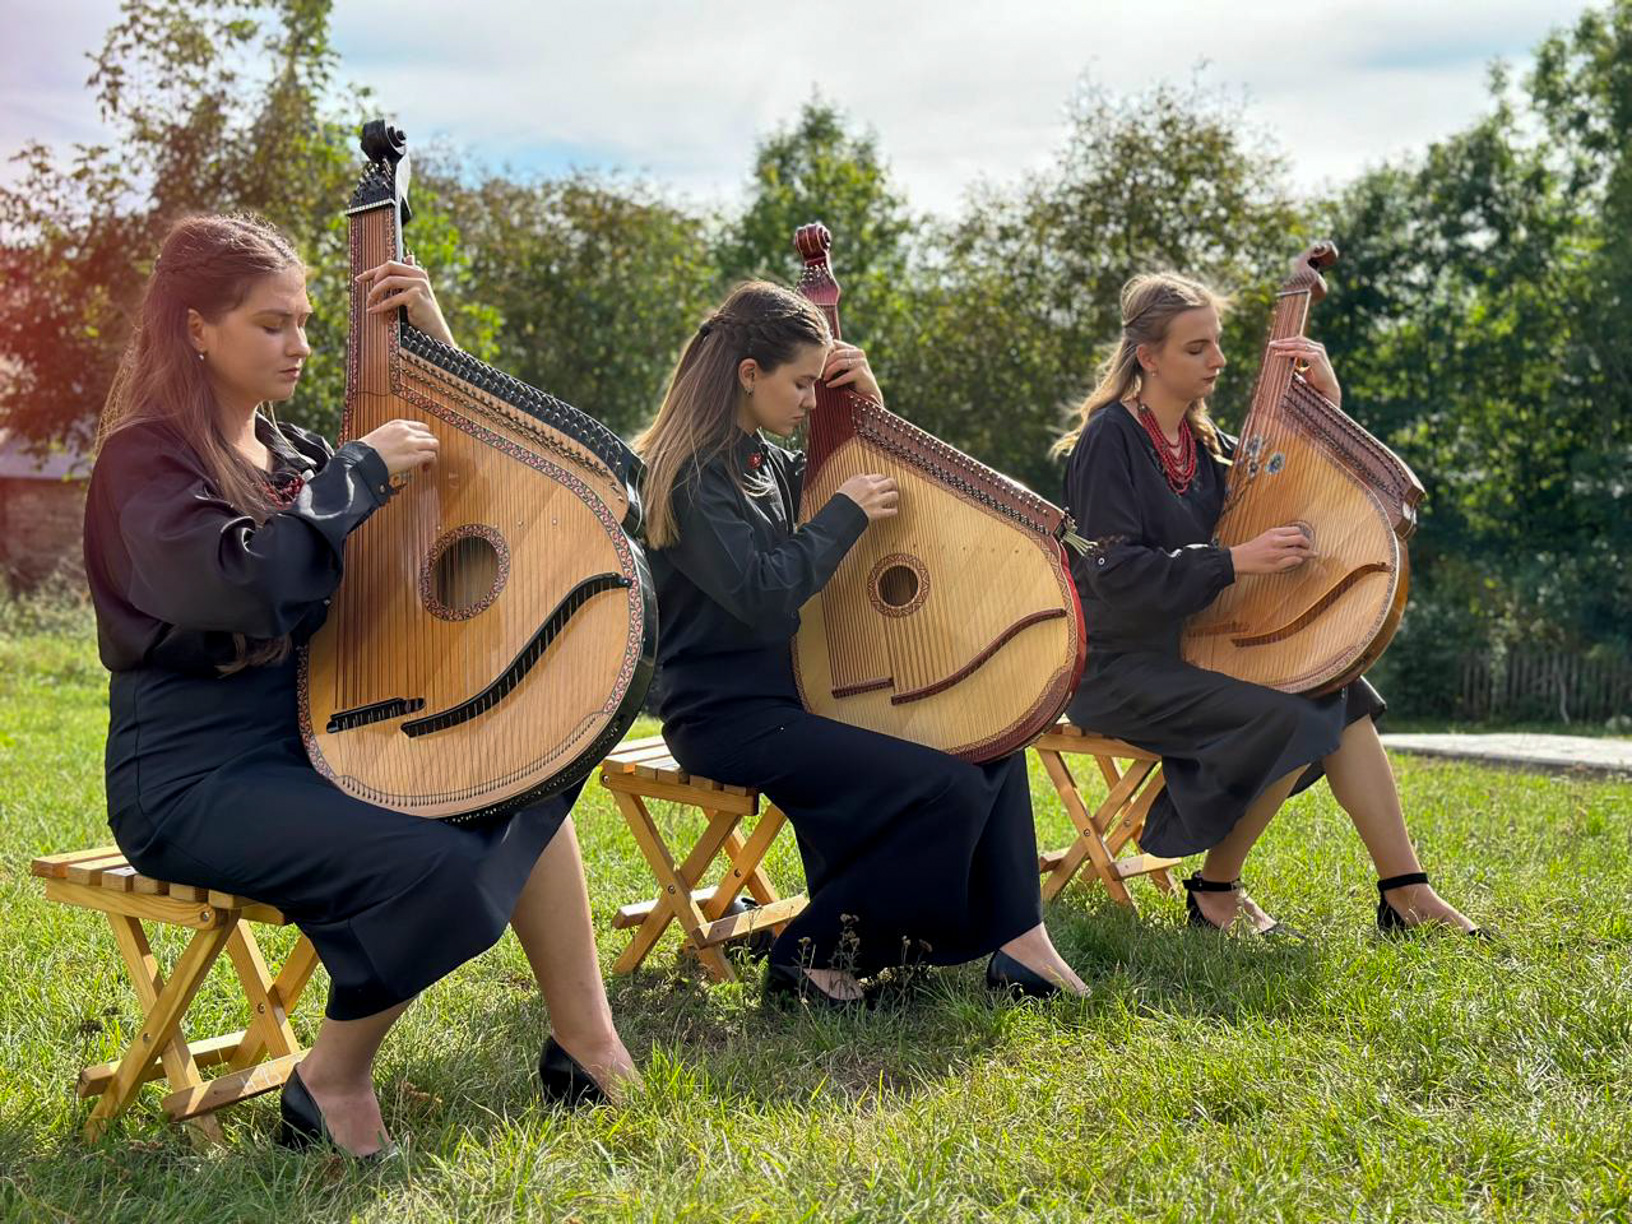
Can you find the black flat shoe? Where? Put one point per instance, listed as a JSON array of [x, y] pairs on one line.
[[1005, 973], [301, 1125], [1389, 919], [564, 1079], [1195, 884], [789, 983]]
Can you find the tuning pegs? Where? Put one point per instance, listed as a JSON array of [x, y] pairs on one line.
[[813, 241]]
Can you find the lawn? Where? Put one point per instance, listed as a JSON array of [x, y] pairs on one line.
[[1204, 1079]]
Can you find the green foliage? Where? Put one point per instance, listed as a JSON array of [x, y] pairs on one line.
[[1477, 319], [594, 285], [1007, 328]]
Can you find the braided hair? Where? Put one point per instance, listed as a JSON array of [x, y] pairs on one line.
[[697, 421]]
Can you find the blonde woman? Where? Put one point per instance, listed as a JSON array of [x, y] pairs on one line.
[[1145, 482]]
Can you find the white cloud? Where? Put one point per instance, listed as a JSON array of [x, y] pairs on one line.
[[956, 89]]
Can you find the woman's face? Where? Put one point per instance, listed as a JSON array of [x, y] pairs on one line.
[[1187, 363], [782, 397], [255, 351]]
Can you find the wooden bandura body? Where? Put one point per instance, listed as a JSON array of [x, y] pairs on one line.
[[954, 624], [494, 633], [1302, 462]]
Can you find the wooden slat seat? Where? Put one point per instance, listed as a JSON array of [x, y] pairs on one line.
[[643, 769], [1114, 826], [257, 1058]]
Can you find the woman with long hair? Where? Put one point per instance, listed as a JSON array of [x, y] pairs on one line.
[[1145, 481], [214, 539], [911, 856]]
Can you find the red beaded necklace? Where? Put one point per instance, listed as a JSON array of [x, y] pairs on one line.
[[1178, 458]]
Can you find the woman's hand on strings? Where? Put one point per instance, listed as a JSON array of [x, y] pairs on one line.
[[403, 283], [1310, 360], [404, 447], [877, 495], [1279, 549], [847, 367]]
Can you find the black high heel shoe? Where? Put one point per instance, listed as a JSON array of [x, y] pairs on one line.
[[301, 1125], [564, 1080], [1195, 883], [790, 983], [1004, 972], [1391, 922]]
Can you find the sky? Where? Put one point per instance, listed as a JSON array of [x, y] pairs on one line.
[[958, 91]]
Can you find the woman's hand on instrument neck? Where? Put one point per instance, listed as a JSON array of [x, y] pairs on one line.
[[407, 285], [1279, 549], [1312, 362], [847, 367], [877, 495], [403, 446]]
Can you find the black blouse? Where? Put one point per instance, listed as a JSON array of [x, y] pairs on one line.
[[730, 588], [175, 570], [1152, 561]]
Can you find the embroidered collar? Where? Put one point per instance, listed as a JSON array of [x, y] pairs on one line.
[[752, 456]]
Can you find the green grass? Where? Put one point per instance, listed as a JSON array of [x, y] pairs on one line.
[[1205, 1079]]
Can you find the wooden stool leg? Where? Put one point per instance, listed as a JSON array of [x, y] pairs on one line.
[[179, 1066], [674, 901], [1089, 843], [160, 1026], [269, 1016], [745, 869]]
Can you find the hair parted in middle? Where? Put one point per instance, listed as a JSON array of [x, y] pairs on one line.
[[697, 421], [1150, 303]]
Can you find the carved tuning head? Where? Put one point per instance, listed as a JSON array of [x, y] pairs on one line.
[[813, 242], [1306, 270], [387, 146]]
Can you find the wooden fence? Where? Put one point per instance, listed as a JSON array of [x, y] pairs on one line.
[[1547, 685]]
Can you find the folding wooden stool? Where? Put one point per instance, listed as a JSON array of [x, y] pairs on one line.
[[1112, 827], [258, 1059], [644, 769]]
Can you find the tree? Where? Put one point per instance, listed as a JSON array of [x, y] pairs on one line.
[[819, 169], [1008, 327], [598, 283], [217, 106]]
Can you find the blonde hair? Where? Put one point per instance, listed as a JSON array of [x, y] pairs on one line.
[[1150, 303], [697, 421]]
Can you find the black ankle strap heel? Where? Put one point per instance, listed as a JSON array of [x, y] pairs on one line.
[[1390, 921], [1197, 884]]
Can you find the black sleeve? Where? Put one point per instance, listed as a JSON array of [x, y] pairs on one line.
[[1123, 568], [197, 563], [759, 586]]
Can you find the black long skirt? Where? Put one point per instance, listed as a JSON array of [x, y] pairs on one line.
[[208, 785], [910, 855], [1223, 741]]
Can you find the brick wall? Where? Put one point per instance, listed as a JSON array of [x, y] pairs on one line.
[[40, 526]]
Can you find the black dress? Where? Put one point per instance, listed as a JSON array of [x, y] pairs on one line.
[[910, 854], [207, 781], [1223, 741]]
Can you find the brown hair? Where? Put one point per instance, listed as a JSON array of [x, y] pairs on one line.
[[1150, 302], [697, 421], [207, 264]]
